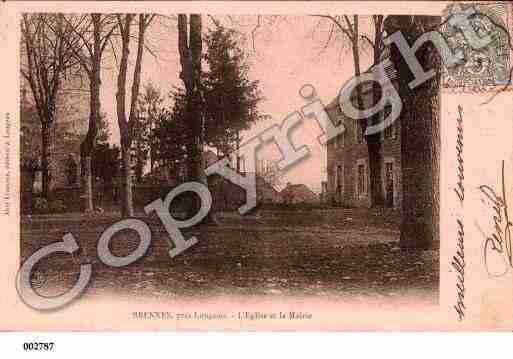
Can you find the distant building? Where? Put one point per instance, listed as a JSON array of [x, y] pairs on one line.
[[65, 136], [177, 175], [324, 192], [266, 193], [348, 159], [298, 193]]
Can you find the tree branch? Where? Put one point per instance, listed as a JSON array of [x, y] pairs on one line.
[[338, 24], [253, 31], [365, 37]]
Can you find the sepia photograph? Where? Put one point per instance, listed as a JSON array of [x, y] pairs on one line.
[[190, 156], [255, 167]]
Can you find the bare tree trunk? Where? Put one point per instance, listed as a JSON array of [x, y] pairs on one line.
[[88, 144], [126, 127], [47, 58], [45, 158], [374, 146], [136, 84], [152, 152], [32, 180], [196, 113], [124, 130], [237, 147], [195, 120], [374, 143], [127, 207], [420, 137], [87, 184], [138, 170]]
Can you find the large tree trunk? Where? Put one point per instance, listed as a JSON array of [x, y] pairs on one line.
[[46, 61], [420, 137], [194, 100], [45, 158], [86, 183], [127, 208], [237, 148], [32, 181], [29, 199], [138, 170], [124, 130], [88, 144], [126, 127], [152, 152], [190, 58], [86, 149], [197, 165], [136, 84]]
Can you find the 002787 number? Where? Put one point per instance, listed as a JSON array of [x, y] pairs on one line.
[[38, 346]]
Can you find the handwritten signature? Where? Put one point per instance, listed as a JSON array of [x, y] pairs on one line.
[[458, 260], [497, 246]]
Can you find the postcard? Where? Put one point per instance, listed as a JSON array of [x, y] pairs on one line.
[[251, 166]]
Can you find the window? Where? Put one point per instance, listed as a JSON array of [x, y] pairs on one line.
[[182, 172], [361, 179], [339, 180], [388, 167], [339, 176], [389, 174], [389, 132], [71, 171], [359, 133], [242, 164], [389, 184]]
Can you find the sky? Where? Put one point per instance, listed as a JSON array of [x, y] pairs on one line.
[[289, 52]]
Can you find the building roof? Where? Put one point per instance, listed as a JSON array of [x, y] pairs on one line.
[[300, 192], [390, 72]]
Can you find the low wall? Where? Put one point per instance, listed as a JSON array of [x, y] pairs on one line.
[[225, 196]]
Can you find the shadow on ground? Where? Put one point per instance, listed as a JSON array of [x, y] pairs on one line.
[[332, 252]]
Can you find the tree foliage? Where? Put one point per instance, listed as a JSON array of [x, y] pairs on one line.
[[231, 98], [170, 134], [145, 141], [229, 104]]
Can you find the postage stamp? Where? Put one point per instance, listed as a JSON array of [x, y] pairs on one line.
[[486, 67]]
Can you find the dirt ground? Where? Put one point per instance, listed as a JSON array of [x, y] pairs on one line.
[[331, 252]]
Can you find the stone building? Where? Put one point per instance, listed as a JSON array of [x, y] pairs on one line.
[[65, 136], [348, 179]]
